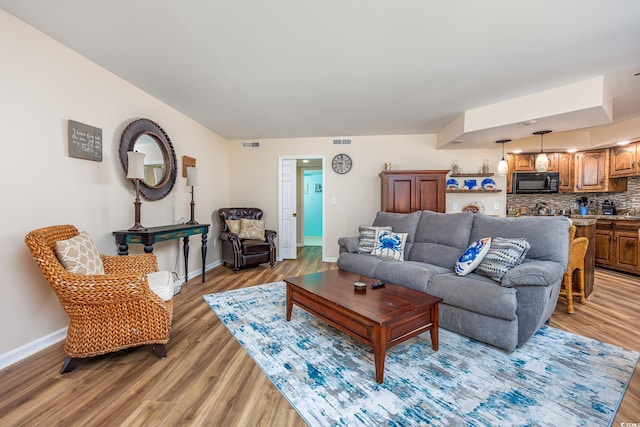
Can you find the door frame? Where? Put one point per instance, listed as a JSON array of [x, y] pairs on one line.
[[296, 157]]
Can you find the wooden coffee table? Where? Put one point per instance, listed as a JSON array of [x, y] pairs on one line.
[[380, 318]]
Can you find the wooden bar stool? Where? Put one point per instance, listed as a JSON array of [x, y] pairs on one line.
[[577, 251]]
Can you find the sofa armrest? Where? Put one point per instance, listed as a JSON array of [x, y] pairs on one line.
[[348, 244], [534, 273]]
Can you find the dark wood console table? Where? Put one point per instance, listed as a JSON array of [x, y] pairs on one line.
[[165, 232]]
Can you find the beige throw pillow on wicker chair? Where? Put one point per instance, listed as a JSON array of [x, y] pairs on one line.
[[251, 229], [79, 255]]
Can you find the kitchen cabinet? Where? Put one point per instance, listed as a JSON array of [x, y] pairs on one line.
[[412, 190], [510, 162], [524, 162], [624, 160], [565, 167], [618, 245], [592, 173], [553, 162], [603, 240]]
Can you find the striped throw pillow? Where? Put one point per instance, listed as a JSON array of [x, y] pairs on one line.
[[503, 255], [368, 238]]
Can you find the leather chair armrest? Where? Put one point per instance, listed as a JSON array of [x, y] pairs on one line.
[[270, 235], [233, 238]]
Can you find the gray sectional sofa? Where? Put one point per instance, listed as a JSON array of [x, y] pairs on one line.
[[505, 314]]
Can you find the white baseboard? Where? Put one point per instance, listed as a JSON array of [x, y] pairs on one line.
[[31, 348]]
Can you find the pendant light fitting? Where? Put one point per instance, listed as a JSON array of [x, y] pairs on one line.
[[503, 166], [542, 160]]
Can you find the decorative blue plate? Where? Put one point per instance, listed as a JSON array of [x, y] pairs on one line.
[[452, 184], [488, 184]]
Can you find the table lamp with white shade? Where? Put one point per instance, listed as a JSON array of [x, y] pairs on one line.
[[192, 181], [135, 172]]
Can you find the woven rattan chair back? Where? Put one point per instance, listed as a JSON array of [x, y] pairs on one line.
[[577, 252]]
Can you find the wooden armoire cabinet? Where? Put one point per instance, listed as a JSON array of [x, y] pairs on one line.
[[412, 190]]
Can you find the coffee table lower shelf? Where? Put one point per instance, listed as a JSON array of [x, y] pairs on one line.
[[378, 332]]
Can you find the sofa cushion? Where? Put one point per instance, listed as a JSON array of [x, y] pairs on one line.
[[475, 293], [410, 275], [400, 223], [250, 246], [548, 235], [368, 238], [503, 255], [363, 264], [472, 257], [441, 238], [389, 244]]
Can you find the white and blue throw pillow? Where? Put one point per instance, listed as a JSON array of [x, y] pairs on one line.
[[389, 244], [503, 255], [472, 257]]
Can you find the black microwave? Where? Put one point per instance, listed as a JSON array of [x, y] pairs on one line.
[[535, 182]]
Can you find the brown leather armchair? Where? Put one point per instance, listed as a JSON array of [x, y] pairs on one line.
[[245, 252]]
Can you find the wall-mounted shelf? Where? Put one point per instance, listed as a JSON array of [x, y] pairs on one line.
[[468, 175], [497, 190]]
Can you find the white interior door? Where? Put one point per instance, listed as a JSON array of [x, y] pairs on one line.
[[288, 222]]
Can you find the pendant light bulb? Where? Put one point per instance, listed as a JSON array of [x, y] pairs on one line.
[[503, 165], [542, 160]]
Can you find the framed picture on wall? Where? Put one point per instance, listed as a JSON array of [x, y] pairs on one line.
[[318, 188]]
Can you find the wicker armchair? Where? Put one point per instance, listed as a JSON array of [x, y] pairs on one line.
[[577, 251], [107, 312]]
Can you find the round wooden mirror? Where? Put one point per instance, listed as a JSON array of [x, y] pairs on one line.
[[146, 136]]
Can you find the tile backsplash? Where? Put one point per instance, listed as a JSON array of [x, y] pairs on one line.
[[628, 201]]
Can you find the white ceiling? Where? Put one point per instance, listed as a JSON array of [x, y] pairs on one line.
[[250, 69]]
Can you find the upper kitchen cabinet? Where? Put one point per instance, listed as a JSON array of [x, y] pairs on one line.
[[565, 165], [409, 191], [524, 162], [553, 162], [624, 160], [592, 173]]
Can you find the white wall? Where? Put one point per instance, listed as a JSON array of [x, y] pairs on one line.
[[42, 85]]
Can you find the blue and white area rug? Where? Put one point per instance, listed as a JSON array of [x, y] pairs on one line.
[[556, 379]]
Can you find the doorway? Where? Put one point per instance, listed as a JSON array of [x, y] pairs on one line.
[[311, 207], [301, 204]]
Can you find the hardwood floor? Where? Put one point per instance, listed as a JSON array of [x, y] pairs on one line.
[[208, 379]]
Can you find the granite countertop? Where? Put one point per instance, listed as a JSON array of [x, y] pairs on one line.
[[613, 217]]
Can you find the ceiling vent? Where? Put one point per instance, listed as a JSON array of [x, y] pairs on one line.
[[253, 144], [346, 141]]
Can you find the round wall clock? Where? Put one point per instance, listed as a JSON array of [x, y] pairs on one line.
[[341, 163]]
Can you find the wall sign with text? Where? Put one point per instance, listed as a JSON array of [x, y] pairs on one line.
[[85, 142]]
